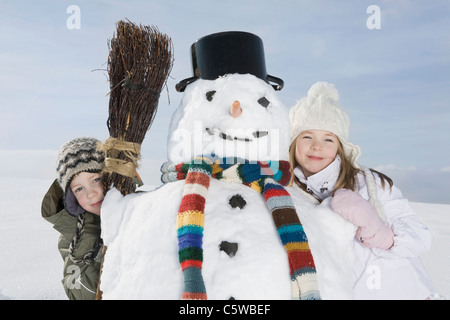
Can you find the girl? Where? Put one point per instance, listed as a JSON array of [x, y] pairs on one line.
[[72, 205], [389, 237]]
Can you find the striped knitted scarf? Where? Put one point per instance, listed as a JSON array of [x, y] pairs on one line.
[[265, 177]]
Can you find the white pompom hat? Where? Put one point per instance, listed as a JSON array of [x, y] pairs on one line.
[[321, 110]]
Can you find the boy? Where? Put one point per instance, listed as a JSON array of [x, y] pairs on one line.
[[72, 205]]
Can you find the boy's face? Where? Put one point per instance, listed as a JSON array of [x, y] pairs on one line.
[[88, 190]]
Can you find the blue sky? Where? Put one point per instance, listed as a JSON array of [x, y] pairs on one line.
[[394, 81]]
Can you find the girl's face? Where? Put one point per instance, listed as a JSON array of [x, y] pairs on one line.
[[315, 150], [88, 190]]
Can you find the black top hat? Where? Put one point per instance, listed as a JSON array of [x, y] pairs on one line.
[[223, 53]]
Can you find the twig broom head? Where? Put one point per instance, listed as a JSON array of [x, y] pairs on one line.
[[139, 62]]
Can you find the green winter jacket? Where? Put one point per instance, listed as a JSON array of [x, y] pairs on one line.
[[79, 279]]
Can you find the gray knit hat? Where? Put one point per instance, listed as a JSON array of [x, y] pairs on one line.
[[75, 156]]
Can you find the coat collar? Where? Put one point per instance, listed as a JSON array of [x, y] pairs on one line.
[[322, 183]]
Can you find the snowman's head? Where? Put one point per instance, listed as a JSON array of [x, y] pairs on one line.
[[237, 115]]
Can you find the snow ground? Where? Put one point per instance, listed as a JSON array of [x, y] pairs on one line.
[[31, 267]]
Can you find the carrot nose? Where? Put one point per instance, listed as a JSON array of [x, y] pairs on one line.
[[235, 110]]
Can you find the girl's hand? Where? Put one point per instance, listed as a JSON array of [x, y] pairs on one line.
[[372, 232]]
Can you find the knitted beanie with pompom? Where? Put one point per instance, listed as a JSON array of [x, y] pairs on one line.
[[75, 156], [321, 110]]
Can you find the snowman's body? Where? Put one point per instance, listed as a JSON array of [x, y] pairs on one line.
[[243, 257], [151, 268]]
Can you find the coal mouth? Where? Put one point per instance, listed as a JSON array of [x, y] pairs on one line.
[[257, 134]]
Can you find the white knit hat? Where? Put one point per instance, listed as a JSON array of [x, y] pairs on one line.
[[321, 110]]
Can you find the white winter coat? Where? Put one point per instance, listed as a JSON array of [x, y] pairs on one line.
[[397, 273]]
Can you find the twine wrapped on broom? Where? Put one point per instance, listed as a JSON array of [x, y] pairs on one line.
[[139, 62]]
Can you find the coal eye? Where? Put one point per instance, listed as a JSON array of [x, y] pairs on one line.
[[264, 102], [210, 94]]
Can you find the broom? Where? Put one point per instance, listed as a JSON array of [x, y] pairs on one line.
[[140, 59], [139, 62]]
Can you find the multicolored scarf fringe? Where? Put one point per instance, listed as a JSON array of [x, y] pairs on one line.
[[265, 177]]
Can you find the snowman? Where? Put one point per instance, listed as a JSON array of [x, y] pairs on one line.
[[226, 224]]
